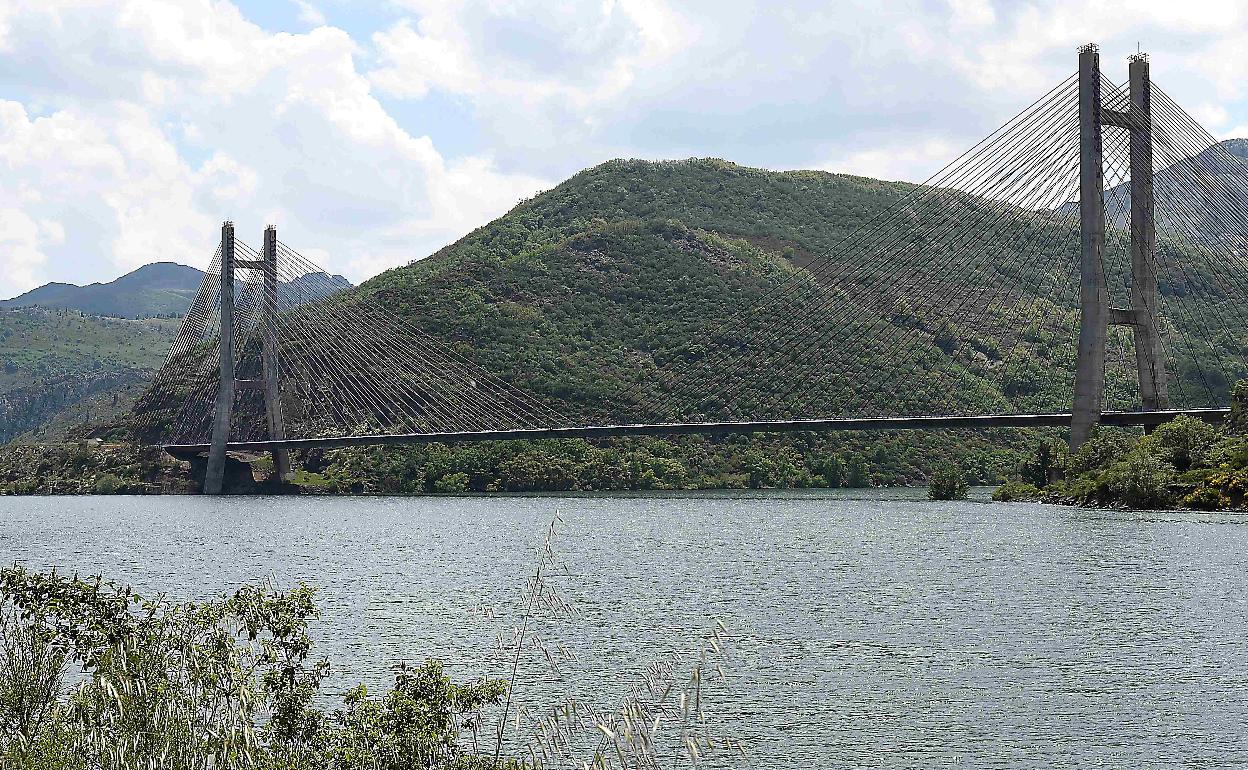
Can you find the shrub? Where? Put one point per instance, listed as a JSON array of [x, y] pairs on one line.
[[1102, 449], [1184, 442], [1141, 480], [223, 683], [1205, 499], [453, 483], [109, 484], [1015, 490], [856, 474], [948, 482]]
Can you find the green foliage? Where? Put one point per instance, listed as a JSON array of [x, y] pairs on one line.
[[227, 683], [856, 475], [1102, 449], [90, 468], [1140, 480], [1049, 456], [1184, 442], [1184, 462], [689, 462], [61, 368], [1016, 491], [108, 484], [948, 482], [415, 725], [453, 483]]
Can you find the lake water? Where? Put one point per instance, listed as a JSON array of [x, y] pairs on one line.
[[883, 631]]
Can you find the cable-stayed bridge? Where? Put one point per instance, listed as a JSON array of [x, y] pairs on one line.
[[1084, 264]]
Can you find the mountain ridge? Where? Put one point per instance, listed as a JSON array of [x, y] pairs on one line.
[[155, 290]]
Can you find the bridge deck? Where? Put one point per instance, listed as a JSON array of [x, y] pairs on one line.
[[1051, 420]]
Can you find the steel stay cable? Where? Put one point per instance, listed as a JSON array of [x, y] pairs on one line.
[[379, 330], [951, 222], [972, 162], [995, 298], [1152, 267], [967, 226], [449, 359]]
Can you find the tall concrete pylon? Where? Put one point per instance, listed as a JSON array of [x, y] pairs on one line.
[[223, 414], [269, 384], [1093, 300], [1095, 314], [271, 362]]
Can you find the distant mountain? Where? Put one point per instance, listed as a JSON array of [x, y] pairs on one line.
[[155, 290], [71, 355], [60, 368], [314, 286], [1201, 206], [158, 289]]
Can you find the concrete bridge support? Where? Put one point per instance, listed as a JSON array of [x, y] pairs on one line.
[[269, 356], [270, 384], [1149, 359], [223, 415], [1095, 314], [1093, 300]]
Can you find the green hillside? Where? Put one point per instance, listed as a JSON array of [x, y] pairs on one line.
[[592, 294], [589, 293], [61, 368], [611, 297]]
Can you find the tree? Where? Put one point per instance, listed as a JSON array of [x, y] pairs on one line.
[[948, 482], [832, 471], [1184, 442], [856, 476], [1141, 480]]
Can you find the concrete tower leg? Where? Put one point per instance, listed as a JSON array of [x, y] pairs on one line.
[[270, 359], [1150, 363], [1093, 304], [223, 415]]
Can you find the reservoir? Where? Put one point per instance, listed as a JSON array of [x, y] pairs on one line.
[[866, 628]]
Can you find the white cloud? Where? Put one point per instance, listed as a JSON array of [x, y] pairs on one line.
[[536, 70], [310, 14], [285, 124], [22, 244], [135, 127], [898, 162]]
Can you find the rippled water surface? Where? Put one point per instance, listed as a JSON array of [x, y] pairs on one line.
[[886, 632]]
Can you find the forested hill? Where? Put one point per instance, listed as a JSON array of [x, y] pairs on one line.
[[797, 213], [597, 283], [586, 294]]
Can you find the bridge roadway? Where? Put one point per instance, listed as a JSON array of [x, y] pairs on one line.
[[1051, 420]]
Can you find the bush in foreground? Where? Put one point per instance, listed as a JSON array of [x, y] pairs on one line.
[[230, 684]]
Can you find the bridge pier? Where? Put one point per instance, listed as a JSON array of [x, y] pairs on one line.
[[269, 385], [1149, 360], [269, 357]]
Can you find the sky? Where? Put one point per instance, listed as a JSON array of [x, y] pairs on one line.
[[374, 133]]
